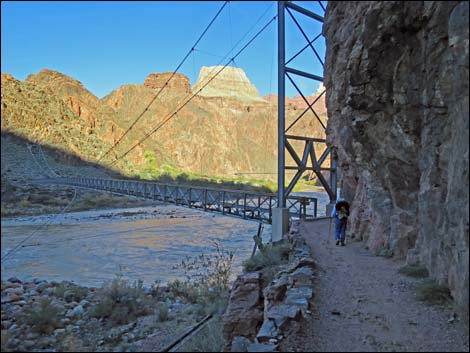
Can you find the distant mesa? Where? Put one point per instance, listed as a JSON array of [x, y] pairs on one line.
[[230, 82], [178, 82]]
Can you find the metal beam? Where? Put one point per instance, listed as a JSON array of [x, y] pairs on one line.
[[304, 11], [281, 79], [305, 138], [311, 143], [304, 74]]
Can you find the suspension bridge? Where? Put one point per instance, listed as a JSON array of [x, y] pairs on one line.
[[268, 208], [246, 205]]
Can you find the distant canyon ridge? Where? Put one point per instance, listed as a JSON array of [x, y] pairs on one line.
[[226, 130]]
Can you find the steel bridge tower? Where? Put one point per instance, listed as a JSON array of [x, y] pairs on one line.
[[307, 159]]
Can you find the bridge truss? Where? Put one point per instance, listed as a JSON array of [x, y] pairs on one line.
[[307, 159], [253, 206]]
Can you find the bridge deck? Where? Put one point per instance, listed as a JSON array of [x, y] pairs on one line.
[[247, 205]]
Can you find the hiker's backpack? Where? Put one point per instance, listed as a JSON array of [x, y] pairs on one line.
[[342, 210], [342, 214]]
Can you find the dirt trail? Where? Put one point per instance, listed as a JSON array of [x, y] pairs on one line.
[[363, 304]]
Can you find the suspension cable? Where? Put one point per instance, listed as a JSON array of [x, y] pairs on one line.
[[16, 248], [168, 118]]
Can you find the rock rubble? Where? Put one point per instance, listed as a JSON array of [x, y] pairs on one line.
[[255, 320]]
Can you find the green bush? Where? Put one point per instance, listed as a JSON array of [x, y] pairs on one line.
[[414, 271], [268, 256], [432, 292], [121, 302], [43, 319]]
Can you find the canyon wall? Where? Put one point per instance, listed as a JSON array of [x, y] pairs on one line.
[[228, 131], [396, 75]]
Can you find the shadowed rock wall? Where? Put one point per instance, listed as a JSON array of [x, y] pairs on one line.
[[396, 75]]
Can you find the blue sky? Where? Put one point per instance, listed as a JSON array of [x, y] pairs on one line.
[[108, 44]]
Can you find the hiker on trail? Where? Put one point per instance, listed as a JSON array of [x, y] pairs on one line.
[[340, 213]]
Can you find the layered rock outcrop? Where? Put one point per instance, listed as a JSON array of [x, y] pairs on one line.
[[178, 82], [225, 135], [73, 93], [34, 113], [230, 82], [396, 75]]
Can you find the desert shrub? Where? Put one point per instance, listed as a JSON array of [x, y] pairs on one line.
[[209, 339], [5, 338], [432, 292], [88, 200], [414, 271], [24, 203], [121, 301], [71, 293], [462, 312], [269, 255], [155, 289], [77, 293], [59, 290], [207, 276], [71, 343], [216, 306], [162, 312], [384, 252], [43, 199], [185, 290], [43, 319]]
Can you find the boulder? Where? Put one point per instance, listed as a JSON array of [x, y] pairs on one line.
[[14, 291], [262, 347], [14, 280], [41, 286], [267, 331], [281, 314], [244, 314], [240, 344], [302, 277]]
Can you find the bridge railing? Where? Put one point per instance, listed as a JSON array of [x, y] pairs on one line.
[[243, 204]]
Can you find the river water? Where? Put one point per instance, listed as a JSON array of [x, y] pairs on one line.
[[92, 247]]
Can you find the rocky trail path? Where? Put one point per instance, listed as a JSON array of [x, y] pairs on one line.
[[362, 303]]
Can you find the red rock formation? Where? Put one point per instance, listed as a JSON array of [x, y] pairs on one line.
[[178, 82]]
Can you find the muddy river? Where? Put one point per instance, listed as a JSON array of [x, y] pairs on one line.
[[145, 243]]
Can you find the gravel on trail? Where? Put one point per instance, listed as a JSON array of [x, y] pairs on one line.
[[361, 303]]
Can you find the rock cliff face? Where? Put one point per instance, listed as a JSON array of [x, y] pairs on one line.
[[231, 82], [178, 82], [72, 92], [34, 113], [396, 75], [225, 135]]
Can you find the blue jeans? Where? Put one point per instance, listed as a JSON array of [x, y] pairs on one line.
[[340, 233]]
